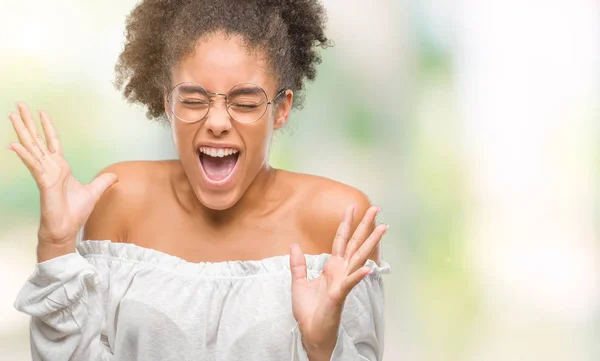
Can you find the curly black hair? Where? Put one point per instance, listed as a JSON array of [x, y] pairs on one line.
[[159, 33]]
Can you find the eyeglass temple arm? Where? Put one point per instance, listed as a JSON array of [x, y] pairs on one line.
[[282, 91]]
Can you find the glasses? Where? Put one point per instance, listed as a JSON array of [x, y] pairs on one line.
[[245, 103]]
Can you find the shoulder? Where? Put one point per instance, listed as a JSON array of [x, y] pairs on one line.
[[322, 209], [118, 207]]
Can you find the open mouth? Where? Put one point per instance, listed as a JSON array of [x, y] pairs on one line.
[[218, 164]]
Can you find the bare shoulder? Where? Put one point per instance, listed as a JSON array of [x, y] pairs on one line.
[[324, 202], [125, 200]]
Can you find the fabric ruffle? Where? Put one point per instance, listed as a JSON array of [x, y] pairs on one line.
[[124, 252]]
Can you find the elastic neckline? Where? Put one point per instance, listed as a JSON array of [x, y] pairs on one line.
[[149, 256]]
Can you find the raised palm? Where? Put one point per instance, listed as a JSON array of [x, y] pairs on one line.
[[66, 203], [317, 304]]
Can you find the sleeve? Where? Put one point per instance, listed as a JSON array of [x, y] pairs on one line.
[[360, 337], [65, 301]]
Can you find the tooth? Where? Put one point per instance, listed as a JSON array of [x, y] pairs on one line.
[[218, 152]]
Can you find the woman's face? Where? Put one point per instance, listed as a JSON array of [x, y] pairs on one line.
[[221, 156]]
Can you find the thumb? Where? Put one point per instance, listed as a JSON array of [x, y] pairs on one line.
[[101, 184], [297, 263]]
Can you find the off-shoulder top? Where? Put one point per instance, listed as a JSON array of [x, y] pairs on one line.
[[119, 301]]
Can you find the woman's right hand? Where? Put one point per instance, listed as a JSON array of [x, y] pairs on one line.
[[65, 202]]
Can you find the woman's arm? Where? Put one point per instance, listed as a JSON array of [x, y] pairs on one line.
[[65, 296], [340, 313], [361, 333]]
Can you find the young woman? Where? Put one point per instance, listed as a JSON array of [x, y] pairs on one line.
[[202, 258]]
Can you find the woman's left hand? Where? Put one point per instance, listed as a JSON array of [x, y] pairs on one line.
[[317, 305]]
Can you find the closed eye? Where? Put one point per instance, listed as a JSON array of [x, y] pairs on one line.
[[245, 106], [193, 102]]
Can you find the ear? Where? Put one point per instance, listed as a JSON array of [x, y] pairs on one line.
[[283, 110]]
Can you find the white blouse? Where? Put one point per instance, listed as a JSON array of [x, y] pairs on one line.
[[120, 301]]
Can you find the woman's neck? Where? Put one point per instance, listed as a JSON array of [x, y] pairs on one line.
[[255, 201]]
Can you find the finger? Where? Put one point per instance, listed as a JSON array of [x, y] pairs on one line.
[[343, 232], [362, 254], [101, 184], [52, 138], [354, 278], [362, 231], [33, 130], [297, 263], [24, 136], [30, 162]]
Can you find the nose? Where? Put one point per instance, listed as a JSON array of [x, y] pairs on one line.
[[218, 120]]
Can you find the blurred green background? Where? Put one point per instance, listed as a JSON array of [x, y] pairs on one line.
[[475, 126]]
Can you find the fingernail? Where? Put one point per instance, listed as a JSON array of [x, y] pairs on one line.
[[9, 113], [9, 148], [387, 226], [370, 272], [293, 245]]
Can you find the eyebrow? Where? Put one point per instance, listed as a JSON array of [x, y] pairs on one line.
[[248, 90], [191, 89], [245, 91]]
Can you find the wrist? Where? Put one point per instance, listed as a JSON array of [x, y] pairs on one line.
[[48, 251], [322, 350], [318, 353]]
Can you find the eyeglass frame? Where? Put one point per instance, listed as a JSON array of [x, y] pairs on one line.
[[215, 94]]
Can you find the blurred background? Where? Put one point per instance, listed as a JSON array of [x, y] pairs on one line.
[[474, 124]]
